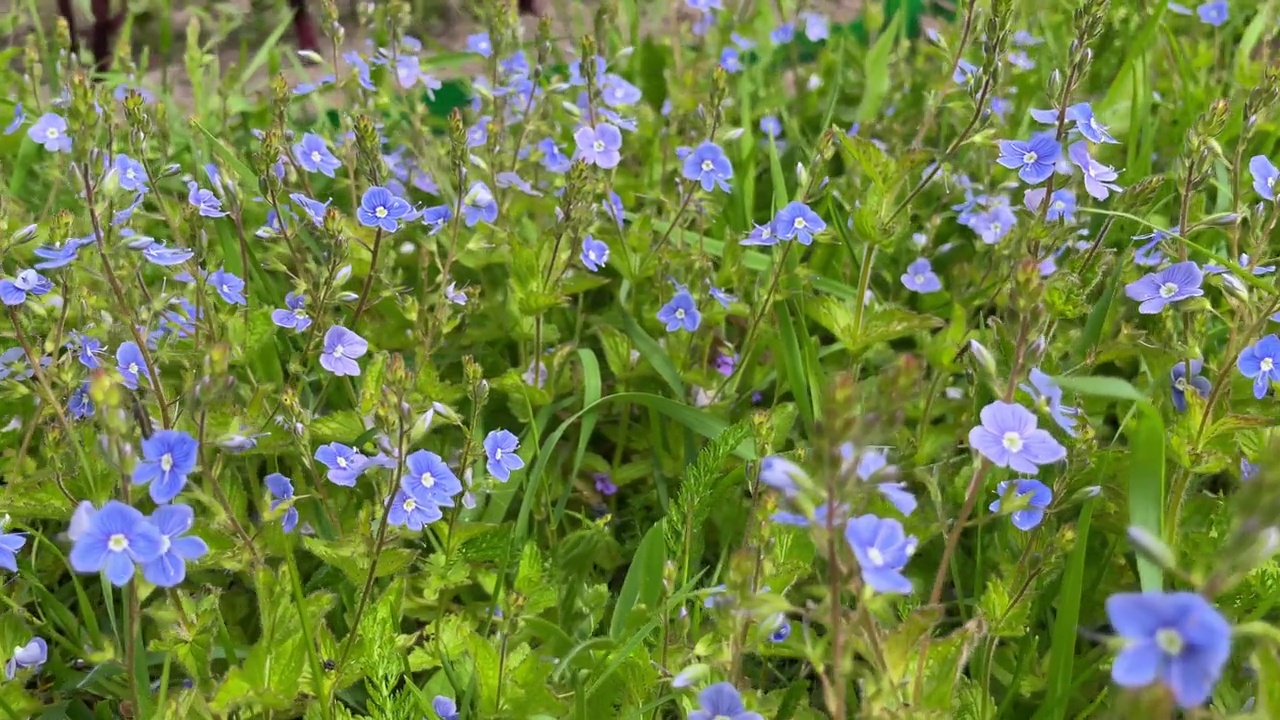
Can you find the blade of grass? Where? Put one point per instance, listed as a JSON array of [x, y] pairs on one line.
[[1063, 645]]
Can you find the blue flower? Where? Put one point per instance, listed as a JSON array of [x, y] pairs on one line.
[[428, 479], [781, 630], [314, 209], [680, 313], [445, 708], [595, 253], [80, 404], [500, 448], [14, 292], [436, 217], [965, 72], [1156, 290], [170, 567], [761, 235], [1261, 362], [1177, 639], [1034, 159], [725, 299], [1082, 115], [599, 145], [32, 655], [1181, 383], [553, 159], [782, 475], [281, 489], [341, 348], [157, 254], [783, 34], [313, 155], [228, 286], [131, 364], [345, 463], [294, 315], [882, 550], [479, 205], [1213, 13], [1046, 392], [379, 208], [114, 539], [708, 166], [19, 117], [921, 278], [204, 201], [617, 92], [50, 130], [1098, 178], [10, 544], [168, 457], [1062, 203], [1264, 176], [1248, 470], [797, 222], [130, 173], [1030, 511], [479, 44], [1008, 437], [722, 701], [408, 511]]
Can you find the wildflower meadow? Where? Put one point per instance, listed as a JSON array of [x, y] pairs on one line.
[[696, 359]]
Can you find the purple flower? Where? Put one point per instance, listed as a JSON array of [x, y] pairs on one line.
[[730, 60], [168, 457], [722, 701], [345, 463], [204, 201], [409, 512], [797, 222], [1098, 178], [781, 474], [170, 567], [1248, 470], [618, 93], [553, 159], [341, 348], [1034, 159], [500, 448], [131, 364], [228, 286], [783, 34], [14, 292], [478, 205], [726, 363], [761, 235], [1008, 437], [965, 73], [480, 45], [32, 655], [314, 209], [680, 313], [708, 166], [429, 480], [19, 117], [1156, 290], [1046, 392], [130, 173], [1062, 203], [725, 299], [595, 253], [1181, 382], [882, 549], [281, 489], [114, 539], [313, 155], [10, 544], [1082, 115], [294, 315], [604, 485], [444, 707], [1213, 13], [921, 278], [157, 253], [1261, 362], [50, 130], [1264, 176], [380, 208], [1029, 495], [599, 145], [1176, 638]]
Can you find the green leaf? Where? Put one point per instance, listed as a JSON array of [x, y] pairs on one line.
[[875, 72], [643, 585], [344, 427], [1098, 386], [651, 351], [1066, 622], [794, 366]]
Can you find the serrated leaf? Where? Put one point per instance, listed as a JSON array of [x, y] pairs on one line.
[[343, 426]]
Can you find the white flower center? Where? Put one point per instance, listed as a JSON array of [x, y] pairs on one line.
[[338, 351], [118, 543], [51, 133], [497, 454], [133, 368], [428, 480], [380, 212], [598, 146], [1181, 384], [342, 462], [1267, 364], [129, 173], [799, 224], [315, 156], [875, 556], [1012, 442], [1029, 158], [707, 166], [410, 504], [300, 314], [919, 279], [165, 544], [1169, 640], [166, 462], [679, 314], [1168, 290]]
